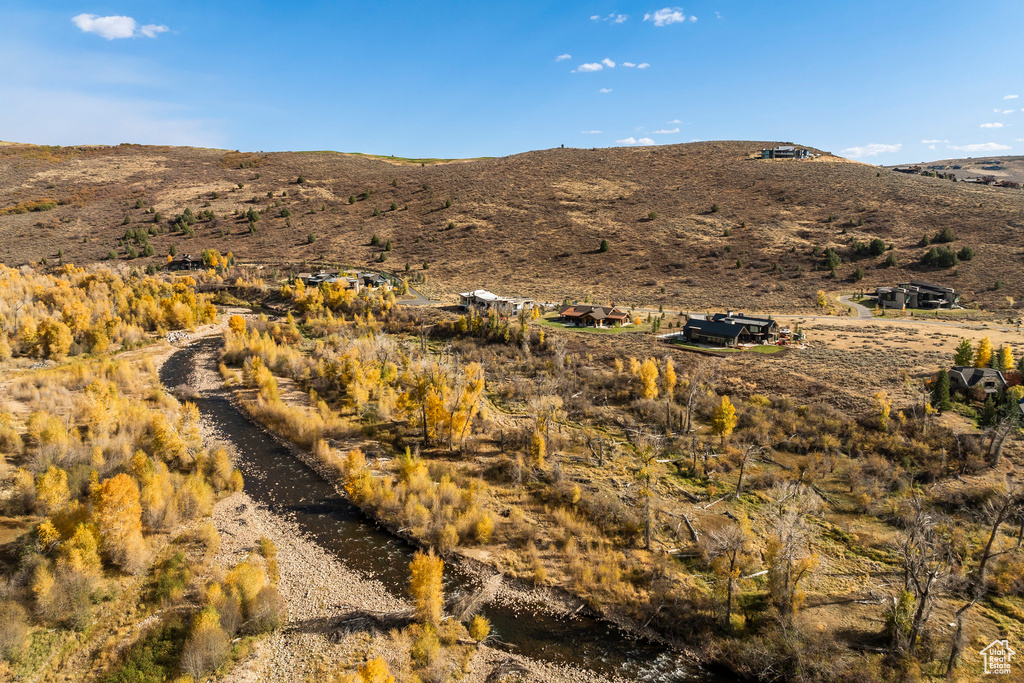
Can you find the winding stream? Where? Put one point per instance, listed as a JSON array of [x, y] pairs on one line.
[[278, 480]]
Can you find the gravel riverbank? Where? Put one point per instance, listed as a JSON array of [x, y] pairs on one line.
[[320, 589]]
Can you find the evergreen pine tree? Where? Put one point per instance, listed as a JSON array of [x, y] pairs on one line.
[[964, 355]]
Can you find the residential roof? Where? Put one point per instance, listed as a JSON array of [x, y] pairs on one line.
[[481, 294], [596, 312], [972, 376], [715, 328], [740, 319]]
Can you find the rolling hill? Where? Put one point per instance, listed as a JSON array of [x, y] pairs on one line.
[[692, 226]]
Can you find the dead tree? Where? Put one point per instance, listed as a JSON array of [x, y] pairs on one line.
[[997, 512], [998, 435], [925, 557], [728, 550]]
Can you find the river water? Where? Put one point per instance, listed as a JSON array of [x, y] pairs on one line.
[[278, 480]]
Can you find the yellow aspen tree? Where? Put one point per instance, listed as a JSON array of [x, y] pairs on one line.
[[649, 379], [54, 339], [81, 551], [634, 366], [538, 448], [1006, 360], [479, 628], [883, 408], [118, 517], [52, 490], [47, 535], [468, 403], [236, 324], [723, 421], [425, 587], [375, 671], [669, 378], [983, 354]]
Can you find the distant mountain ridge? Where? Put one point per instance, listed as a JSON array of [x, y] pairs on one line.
[[695, 226]]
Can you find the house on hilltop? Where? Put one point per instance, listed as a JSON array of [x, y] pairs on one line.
[[593, 316], [992, 382], [786, 152], [917, 295]]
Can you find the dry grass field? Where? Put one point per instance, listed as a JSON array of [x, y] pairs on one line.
[[728, 230]]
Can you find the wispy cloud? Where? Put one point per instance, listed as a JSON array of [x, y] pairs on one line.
[[643, 65], [981, 147], [605, 90], [590, 132], [633, 141], [718, 15], [591, 66], [116, 26], [666, 131], [674, 121], [608, 63], [991, 125], [668, 16], [933, 142], [614, 18], [562, 58], [870, 150], [629, 65], [1010, 97]]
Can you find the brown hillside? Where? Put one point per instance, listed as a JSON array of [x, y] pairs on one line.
[[528, 224]]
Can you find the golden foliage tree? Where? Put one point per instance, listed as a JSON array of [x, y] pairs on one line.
[[648, 379], [983, 354], [883, 408], [52, 491], [669, 378], [118, 517], [425, 587], [538, 448], [723, 421], [236, 324]]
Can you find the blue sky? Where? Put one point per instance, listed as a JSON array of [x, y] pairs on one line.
[[885, 82]]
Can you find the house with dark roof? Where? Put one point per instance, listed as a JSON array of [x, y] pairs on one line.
[[916, 295], [759, 330], [966, 379], [786, 152], [185, 262], [714, 333], [593, 316]]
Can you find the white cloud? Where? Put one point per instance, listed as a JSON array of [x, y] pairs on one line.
[[933, 142], [981, 147], [628, 64], [590, 132], [592, 66], [115, 26], [1010, 97], [1007, 111], [562, 58], [991, 125], [150, 30], [643, 65], [718, 15], [668, 16], [613, 18], [870, 150], [666, 131], [605, 90], [608, 63], [674, 121], [633, 141], [595, 17]]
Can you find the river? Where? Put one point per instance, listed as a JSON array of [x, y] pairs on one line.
[[278, 480]]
